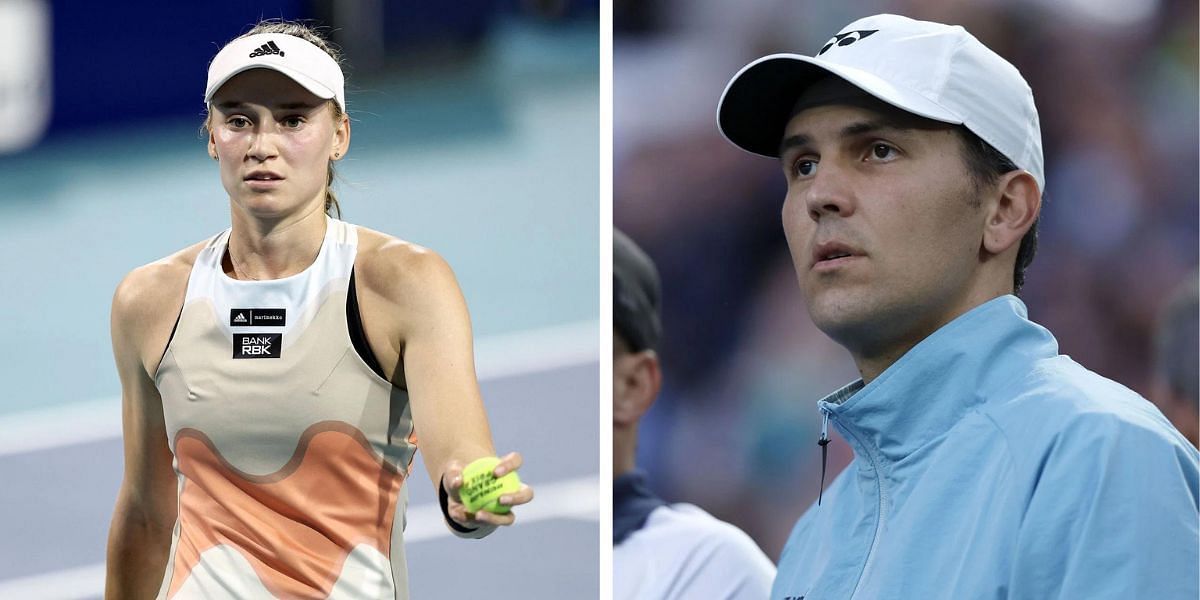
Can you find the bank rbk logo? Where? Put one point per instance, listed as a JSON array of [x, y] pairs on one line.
[[845, 39], [257, 345]]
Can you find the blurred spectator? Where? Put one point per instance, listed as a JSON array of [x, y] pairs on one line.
[[1177, 352], [661, 551]]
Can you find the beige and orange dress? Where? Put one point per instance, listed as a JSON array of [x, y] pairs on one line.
[[291, 448]]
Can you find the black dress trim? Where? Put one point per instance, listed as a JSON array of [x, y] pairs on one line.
[[355, 326]]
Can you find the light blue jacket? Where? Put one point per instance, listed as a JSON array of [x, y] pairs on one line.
[[989, 466]]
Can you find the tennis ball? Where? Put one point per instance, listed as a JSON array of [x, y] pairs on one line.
[[481, 490]]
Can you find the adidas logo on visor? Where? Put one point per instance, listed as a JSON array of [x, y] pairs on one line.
[[267, 48]]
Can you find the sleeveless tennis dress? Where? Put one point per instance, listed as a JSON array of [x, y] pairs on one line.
[[290, 448]]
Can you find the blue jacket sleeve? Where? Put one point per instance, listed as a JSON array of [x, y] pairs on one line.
[[1113, 514]]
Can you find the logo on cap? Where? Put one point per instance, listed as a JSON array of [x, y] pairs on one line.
[[845, 39], [267, 48]]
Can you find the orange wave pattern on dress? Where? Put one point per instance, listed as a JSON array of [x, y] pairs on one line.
[[295, 526]]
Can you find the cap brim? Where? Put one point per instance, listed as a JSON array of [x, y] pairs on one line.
[[305, 81], [758, 101]]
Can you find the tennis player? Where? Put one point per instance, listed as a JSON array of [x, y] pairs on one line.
[[278, 376], [987, 465], [661, 551]]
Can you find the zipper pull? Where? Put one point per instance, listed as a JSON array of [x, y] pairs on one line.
[[824, 444]]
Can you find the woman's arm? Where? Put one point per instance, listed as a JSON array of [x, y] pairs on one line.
[[140, 536], [439, 371]]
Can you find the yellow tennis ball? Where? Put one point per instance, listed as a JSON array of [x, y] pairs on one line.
[[481, 490]]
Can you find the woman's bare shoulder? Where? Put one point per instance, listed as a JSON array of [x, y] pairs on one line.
[[397, 268], [156, 286]]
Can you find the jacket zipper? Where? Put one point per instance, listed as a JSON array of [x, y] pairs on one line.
[[880, 519], [823, 442]]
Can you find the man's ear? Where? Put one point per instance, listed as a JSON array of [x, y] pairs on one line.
[[637, 380], [1011, 212]]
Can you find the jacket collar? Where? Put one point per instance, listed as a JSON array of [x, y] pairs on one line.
[[632, 504], [940, 380]]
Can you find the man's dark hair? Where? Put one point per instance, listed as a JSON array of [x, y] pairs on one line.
[[986, 165]]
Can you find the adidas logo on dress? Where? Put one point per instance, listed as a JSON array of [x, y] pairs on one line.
[[267, 48]]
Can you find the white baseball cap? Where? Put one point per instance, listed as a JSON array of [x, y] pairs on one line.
[[935, 71], [299, 59]]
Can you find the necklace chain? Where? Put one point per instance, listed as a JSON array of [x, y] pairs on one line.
[[242, 270], [238, 268]]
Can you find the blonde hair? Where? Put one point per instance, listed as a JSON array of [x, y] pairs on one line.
[[313, 36]]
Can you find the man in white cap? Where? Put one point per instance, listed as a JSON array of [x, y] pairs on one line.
[[987, 465]]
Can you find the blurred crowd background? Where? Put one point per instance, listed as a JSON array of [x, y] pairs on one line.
[[735, 430]]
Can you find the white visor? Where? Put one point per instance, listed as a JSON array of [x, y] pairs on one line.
[[297, 58]]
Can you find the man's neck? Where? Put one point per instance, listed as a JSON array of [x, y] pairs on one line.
[[624, 451], [872, 366], [873, 360]]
